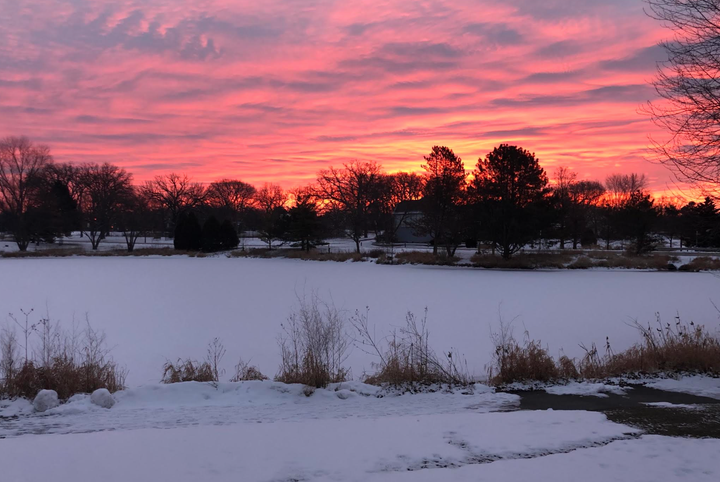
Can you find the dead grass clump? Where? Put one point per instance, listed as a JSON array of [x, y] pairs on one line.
[[702, 263], [189, 370], [52, 358], [312, 255], [614, 260], [406, 358], [425, 257], [677, 347], [582, 262], [313, 344], [514, 362], [244, 372], [45, 253], [666, 348], [522, 261]]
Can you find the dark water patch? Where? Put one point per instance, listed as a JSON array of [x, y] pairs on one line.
[[701, 420]]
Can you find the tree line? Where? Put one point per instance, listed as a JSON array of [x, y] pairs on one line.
[[505, 203]]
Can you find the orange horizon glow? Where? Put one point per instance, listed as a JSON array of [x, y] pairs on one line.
[[274, 91]]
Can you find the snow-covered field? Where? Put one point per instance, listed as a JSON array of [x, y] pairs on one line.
[[265, 431], [155, 309]]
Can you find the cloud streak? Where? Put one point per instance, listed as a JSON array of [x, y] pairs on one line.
[[276, 90]]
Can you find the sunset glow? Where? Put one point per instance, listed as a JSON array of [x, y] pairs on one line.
[[278, 89]]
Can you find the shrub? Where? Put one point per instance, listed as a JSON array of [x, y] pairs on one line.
[[313, 344], [66, 362], [228, 235], [210, 239], [406, 358], [188, 233]]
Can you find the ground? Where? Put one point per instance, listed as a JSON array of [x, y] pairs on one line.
[[154, 309]]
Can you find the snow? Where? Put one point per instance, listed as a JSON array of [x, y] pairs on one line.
[[102, 398], [585, 389], [674, 405], [45, 400], [703, 386], [193, 403], [348, 448], [154, 309]]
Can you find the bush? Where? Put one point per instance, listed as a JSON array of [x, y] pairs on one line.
[[210, 239], [406, 358], [313, 345], [188, 233], [228, 235], [66, 362]]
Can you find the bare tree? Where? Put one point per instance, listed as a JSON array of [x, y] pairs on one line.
[[271, 199], [620, 187], [174, 194], [106, 187], [133, 217], [352, 190], [564, 179], [689, 86], [231, 196], [21, 163]]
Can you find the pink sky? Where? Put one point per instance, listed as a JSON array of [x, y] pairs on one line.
[[275, 90]]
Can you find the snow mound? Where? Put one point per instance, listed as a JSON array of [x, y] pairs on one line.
[[102, 398], [699, 385], [45, 400], [585, 389]]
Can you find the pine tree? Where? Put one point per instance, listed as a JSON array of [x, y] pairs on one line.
[[228, 236], [188, 233], [211, 235]]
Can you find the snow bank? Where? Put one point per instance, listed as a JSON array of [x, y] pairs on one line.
[[45, 400], [329, 449], [192, 403], [585, 389], [102, 398], [695, 385]]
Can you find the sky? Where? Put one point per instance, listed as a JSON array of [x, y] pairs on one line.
[[276, 90]]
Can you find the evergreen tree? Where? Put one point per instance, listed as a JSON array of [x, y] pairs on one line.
[[228, 236], [211, 240], [511, 191], [188, 233]]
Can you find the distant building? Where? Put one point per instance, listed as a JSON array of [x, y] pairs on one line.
[[406, 216]]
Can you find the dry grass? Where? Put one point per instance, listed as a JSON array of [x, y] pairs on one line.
[[522, 261], [666, 348], [406, 358], [425, 257], [76, 251], [514, 362], [312, 255], [189, 370], [55, 359], [244, 372], [703, 263], [313, 344]]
